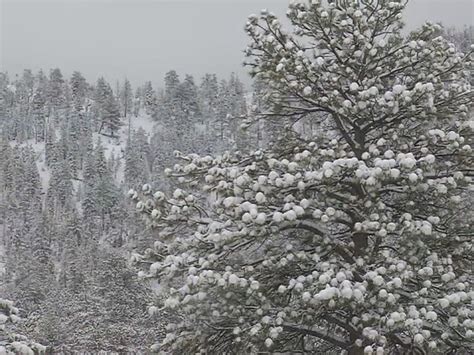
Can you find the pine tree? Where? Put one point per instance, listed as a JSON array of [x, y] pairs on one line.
[[359, 243], [75, 139], [105, 192], [4, 82], [50, 140], [78, 91], [137, 102], [188, 95], [126, 98], [39, 114], [55, 92], [60, 191], [138, 161], [171, 102], [102, 91], [30, 197], [149, 97], [208, 93], [110, 115], [88, 202], [223, 130]]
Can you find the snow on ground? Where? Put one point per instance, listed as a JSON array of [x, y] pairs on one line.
[[116, 146], [142, 121], [44, 174], [112, 147]]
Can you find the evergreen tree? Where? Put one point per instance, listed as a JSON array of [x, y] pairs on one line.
[[60, 191], [78, 91], [4, 83], [223, 112], [126, 98], [138, 161], [171, 104], [101, 92], [55, 92], [39, 114], [137, 102], [150, 99], [110, 115], [189, 102], [105, 192], [208, 94], [359, 243]]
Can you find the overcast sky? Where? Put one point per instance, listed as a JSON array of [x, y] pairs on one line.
[[142, 39]]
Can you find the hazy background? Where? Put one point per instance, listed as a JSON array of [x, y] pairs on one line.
[[143, 39]]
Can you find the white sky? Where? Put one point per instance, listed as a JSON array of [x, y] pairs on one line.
[[142, 39]]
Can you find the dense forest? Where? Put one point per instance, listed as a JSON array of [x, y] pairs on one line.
[[325, 209]]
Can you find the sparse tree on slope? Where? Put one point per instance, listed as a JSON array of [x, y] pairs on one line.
[[137, 159], [110, 115], [189, 102], [78, 91], [105, 192], [55, 91], [39, 114], [360, 243], [208, 92], [126, 98], [4, 93], [149, 96], [170, 109]]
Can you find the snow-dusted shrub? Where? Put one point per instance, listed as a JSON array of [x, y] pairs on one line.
[[10, 342]]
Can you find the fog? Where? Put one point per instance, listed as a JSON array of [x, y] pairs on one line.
[[142, 40]]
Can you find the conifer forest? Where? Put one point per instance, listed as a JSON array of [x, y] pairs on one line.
[[321, 205]]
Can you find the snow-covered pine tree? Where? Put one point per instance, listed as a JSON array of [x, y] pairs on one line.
[[171, 105], [137, 102], [149, 96], [105, 192], [39, 114], [188, 96], [49, 144], [138, 159], [110, 115], [208, 91], [222, 113], [88, 202], [231, 108], [59, 197], [78, 91], [360, 243], [55, 92], [29, 183], [102, 91], [126, 98], [4, 82]]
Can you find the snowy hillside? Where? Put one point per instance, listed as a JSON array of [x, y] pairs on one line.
[[112, 147], [327, 211]]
